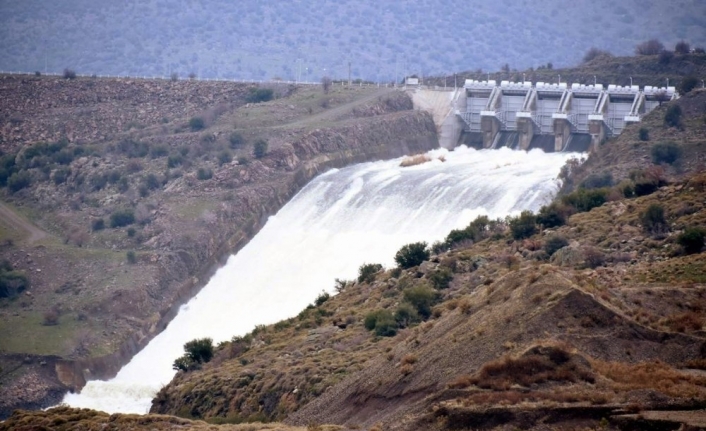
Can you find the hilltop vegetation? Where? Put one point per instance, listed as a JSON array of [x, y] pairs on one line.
[[307, 40]]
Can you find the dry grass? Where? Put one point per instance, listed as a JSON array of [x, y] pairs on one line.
[[652, 375]]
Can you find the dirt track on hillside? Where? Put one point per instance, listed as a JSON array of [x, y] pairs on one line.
[[15, 221]]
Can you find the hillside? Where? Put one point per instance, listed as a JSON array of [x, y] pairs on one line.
[[308, 40], [121, 197], [576, 326]]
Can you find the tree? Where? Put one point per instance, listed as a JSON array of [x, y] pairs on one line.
[[367, 271], [196, 352], [653, 220], [260, 148], [692, 239], [672, 117], [326, 84], [682, 47], [411, 255], [666, 152], [650, 47]]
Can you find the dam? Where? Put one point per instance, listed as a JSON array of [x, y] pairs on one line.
[[552, 117]]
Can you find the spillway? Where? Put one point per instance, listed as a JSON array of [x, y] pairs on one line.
[[341, 219]]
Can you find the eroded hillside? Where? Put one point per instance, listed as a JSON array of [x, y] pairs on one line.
[[121, 197]]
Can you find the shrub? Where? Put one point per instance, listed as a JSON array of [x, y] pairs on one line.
[[175, 160], [204, 174], [200, 350], [594, 53], [554, 243], [553, 215], [665, 57], [692, 239], [98, 224], [159, 151], [653, 220], [50, 318], [236, 140], [326, 84], [476, 231], [644, 134], [382, 322], [131, 257], [152, 182], [584, 200], [647, 181], [225, 157], [60, 175], [98, 181], [69, 73], [682, 47], [422, 298], [523, 226], [243, 161], [687, 84], [650, 47], [672, 117], [131, 232], [367, 271], [196, 124], [441, 278], [593, 257], [122, 218], [257, 95], [260, 148], [114, 176], [406, 314], [411, 255], [133, 149], [19, 181], [12, 282], [666, 152], [323, 297], [597, 181]]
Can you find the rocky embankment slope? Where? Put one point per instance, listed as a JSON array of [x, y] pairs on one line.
[[137, 218]]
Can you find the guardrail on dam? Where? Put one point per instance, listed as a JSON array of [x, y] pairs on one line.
[[553, 117]]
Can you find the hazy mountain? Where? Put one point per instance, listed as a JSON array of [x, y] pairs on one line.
[[258, 39]]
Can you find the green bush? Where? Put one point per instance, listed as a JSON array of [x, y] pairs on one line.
[[406, 314], [584, 200], [175, 160], [476, 231], [236, 140], [411, 255], [441, 278], [666, 152], [243, 161], [152, 182], [19, 181], [260, 148], [644, 134], [523, 226], [196, 124], [323, 297], [131, 257], [257, 95], [133, 149], [159, 151], [692, 239], [367, 271], [672, 117], [114, 176], [12, 282], [122, 218], [554, 243], [553, 215], [382, 322], [98, 224], [196, 352], [204, 174], [98, 181], [422, 298], [653, 220]]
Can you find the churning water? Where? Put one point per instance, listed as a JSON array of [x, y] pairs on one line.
[[341, 219]]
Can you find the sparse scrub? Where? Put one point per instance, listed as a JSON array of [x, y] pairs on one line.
[[666, 152], [204, 174], [411, 255], [422, 298], [61, 175], [672, 118], [382, 322], [597, 181], [224, 157], [441, 278], [159, 151], [650, 47], [367, 271], [406, 314], [321, 299], [644, 134], [653, 220], [584, 200]]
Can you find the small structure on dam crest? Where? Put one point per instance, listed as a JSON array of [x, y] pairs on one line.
[[553, 117]]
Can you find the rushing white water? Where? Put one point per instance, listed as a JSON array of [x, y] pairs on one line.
[[341, 219]]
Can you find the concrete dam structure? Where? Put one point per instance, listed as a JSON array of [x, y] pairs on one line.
[[553, 117]]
